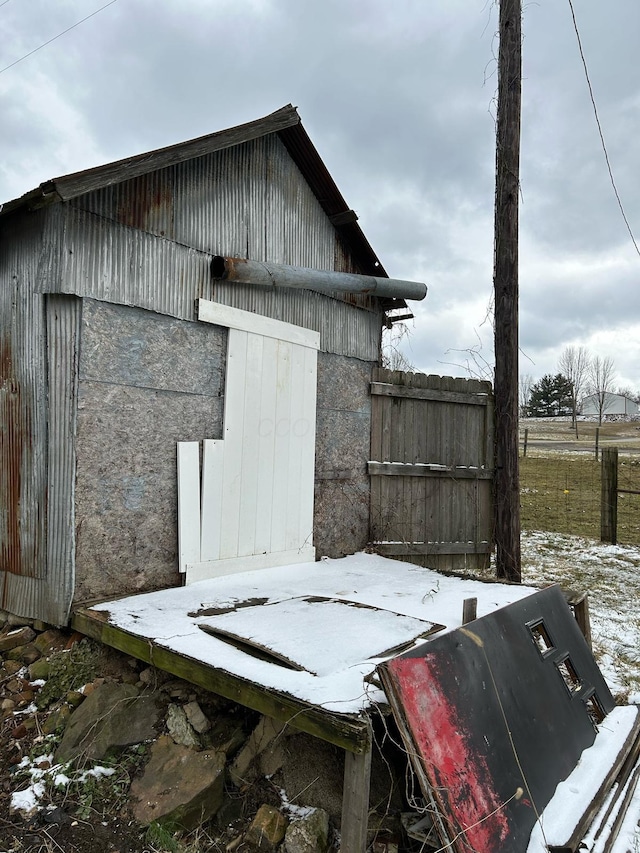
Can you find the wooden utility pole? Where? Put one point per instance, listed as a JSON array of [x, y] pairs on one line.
[[505, 282]]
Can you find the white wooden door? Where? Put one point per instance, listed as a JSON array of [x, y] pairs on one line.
[[251, 505]]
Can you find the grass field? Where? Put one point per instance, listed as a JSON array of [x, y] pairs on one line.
[[560, 490]]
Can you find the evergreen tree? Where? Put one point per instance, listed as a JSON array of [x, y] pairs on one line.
[[550, 397]]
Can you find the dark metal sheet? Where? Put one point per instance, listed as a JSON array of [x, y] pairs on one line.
[[495, 714]]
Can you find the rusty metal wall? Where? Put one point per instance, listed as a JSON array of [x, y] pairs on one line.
[[148, 242], [22, 408], [22, 416]]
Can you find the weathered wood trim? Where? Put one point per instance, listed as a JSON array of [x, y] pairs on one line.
[[232, 565], [387, 390], [407, 549], [349, 732], [576, 834], [256, 324], [355, 801], [405, 469]]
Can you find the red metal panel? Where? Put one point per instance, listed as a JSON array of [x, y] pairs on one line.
[[494, 717]]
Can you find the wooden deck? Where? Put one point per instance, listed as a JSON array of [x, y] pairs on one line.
[[297, 643]]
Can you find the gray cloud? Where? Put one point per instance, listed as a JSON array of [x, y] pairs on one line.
[[399, 100]]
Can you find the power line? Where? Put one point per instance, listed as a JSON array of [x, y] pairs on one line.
[[64, 32], [595, 112]]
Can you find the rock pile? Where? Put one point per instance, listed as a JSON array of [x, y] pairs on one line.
[[71, 706]]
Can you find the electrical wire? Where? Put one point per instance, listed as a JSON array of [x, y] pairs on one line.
[[595, 112], [64, 32]]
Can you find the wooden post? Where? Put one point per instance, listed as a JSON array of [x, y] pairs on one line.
[[609, 496], [355, 800], [469, 610], [526, 441], [597, 440], [505, 282]]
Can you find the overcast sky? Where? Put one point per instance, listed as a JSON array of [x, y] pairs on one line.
[[399, 98]]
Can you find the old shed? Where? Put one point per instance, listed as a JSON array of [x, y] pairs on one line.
[[122, 309]]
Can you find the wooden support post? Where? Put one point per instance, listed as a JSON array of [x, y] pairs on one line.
[[469, 610], [609, 496], [355, 800], [579, 604], [526, 441]]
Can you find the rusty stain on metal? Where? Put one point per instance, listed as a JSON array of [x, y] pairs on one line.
[[147, 207], [13, 437]]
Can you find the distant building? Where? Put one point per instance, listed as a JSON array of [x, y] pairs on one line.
[[614, 404]]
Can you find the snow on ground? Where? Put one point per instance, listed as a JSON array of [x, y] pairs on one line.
[[611, 576]]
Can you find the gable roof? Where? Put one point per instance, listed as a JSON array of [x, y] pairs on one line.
[[285, 122]]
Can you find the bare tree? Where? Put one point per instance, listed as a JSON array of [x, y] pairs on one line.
[[601, 378], [392, 356], [574, 363], [526, 384]]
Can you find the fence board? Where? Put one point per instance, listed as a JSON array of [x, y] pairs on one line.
[[431, 469]]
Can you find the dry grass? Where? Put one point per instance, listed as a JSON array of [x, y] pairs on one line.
[[560, 491]]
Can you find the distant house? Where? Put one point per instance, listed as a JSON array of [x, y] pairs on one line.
[[614, 404]]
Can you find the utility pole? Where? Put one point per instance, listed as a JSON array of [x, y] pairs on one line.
[[505, 282]]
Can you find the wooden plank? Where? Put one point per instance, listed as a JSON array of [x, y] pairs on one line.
[[388, 390], [346, 731], [375, 452], [297, 426], [266, 448], [233, 430], [622, 812], [355, 800], [250, 445], [573, 837], [247, 321], [400, 469], [281, 447], [308, 449], [188, 503], [407, 549], [212, 499], [469, 610], [232, 565]]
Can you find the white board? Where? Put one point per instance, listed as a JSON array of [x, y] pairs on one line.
[[257, 482]]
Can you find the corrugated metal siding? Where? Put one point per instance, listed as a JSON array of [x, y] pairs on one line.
[[248, 201], [114, 263], [37, 455], [63, 316], [22, 405]]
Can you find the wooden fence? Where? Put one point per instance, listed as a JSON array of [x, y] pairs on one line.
[[432, 469]]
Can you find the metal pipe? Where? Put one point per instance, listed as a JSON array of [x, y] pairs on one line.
[[243, 271]]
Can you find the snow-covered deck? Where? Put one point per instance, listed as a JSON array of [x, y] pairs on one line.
[[327, 625]]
